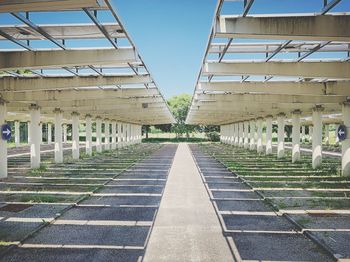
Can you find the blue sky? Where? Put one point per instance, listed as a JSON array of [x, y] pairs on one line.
[[171, 37]]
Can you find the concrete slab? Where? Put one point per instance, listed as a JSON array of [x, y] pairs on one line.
[[258, 223], [72, 255], [91, 235], [278, 247], [122, 200], [186, 227], [241, 205], [110, 213], [132, 189]]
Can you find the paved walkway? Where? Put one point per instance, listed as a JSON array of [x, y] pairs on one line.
[[186, 227]]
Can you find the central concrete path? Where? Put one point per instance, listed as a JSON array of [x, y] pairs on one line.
[[186, 227]]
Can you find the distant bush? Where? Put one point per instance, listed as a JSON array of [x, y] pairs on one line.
[[213, 136]]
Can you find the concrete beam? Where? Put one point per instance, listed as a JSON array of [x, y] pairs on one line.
[[337, 70], [292, 26], [279, 87], [48, 5], [13, 60], [271, 98], [71, 95], [53, 83], [62, 31]]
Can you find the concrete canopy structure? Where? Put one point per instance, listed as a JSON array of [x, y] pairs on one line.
[[83, 69], [281, 66]]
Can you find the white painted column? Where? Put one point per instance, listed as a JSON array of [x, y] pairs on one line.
[[336, 135], [17, 134], [41, 132], [259, 146], [345, 145], [311, 132], [120, 135], [236, 138], [107, 134], [252, 135], [98, 135], [114, 135], [246, 134], [296, 136], [303, 134], [58, 136], [280, 135], [88, 138], [29, 134], [268, 149], [65, 133], [3, 143], [75, 135], [240, 128], [326, 135], [124, 134], [35, 139], [49, 133], [317, 137], [128, 134], [231, 135]]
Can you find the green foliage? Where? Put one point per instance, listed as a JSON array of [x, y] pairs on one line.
[[179, 106], [213, 136]]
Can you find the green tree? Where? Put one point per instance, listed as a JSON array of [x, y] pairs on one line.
[[179, 106]]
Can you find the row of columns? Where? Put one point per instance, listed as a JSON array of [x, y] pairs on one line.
[[239, 134], [117, 135]]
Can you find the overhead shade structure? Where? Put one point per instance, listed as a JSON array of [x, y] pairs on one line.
[[257, 65], [285, 68], [88, 65]]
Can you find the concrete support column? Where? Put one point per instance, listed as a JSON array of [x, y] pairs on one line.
[[3, 143], [35, 139], [29, 134], [317, 137], [17, 134], [303, 134], [114, 135], [268, 149], [41, 133], [128, 139], [65, 133], [246, 134], [336, 135], [120, 144], [252, 135], [345, 145], [311, 131], [123, 139], [240, 133], [259, 145], [98, 135], [107, 135], [326, 134], [58, 136], [280, 135], [75, 135], [88, 138], [296, 136], [49, 133], [235, 134]]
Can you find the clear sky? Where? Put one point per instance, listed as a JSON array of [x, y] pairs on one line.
[[171, 37]]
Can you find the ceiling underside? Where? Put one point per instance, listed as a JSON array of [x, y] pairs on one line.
[[80, 59], [257, 65]]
